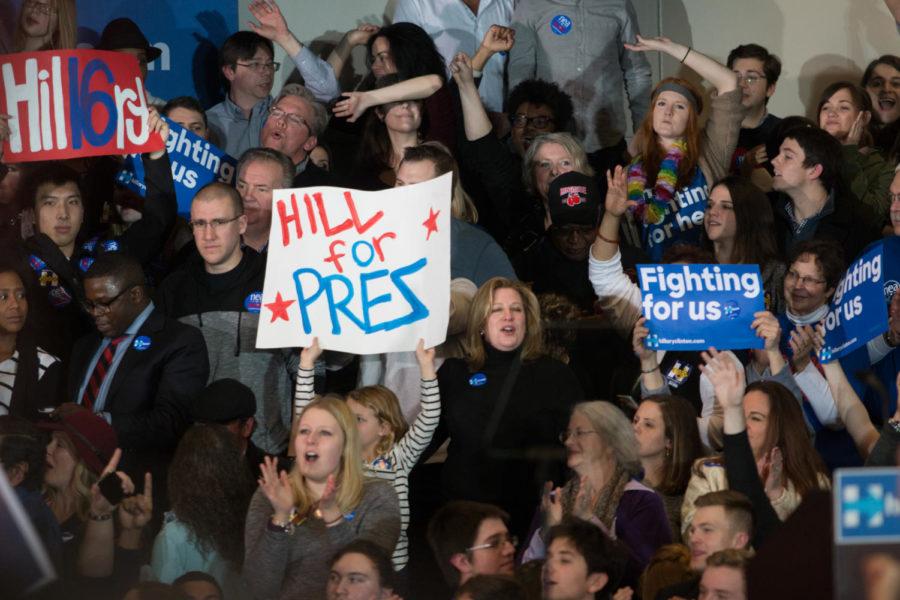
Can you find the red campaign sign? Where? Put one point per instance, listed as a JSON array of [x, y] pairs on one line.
[[74, 103]]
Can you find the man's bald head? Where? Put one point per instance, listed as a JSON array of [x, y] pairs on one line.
[[216, 191]]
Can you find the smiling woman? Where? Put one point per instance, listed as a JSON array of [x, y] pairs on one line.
[[503, 405]]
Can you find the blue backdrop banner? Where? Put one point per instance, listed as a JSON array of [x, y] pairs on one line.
[[189, 35], [693, 307]]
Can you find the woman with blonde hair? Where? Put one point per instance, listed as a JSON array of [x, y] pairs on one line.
[[46, 25], [297, 521], [503, 404], [677, 159]]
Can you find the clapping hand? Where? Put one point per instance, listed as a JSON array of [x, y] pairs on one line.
[[551, 505], [727, 380], [277, 488]]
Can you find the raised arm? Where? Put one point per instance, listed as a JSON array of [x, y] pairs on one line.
[[355, 104], [722, 78], [409, 448], [850, 408], [496, 39], [606, 245], [319, 76], [475, 118], [353, 38], [651, 377]]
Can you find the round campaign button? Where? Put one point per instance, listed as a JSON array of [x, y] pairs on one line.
[[141, 343], [561, 25], [478, 380], [253, 302]]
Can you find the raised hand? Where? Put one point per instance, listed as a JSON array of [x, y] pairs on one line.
[[768, 328], [277, 488], [425, 357], [640, 333], [617, 201], [771, 471], [99, 504], [648, 44], [159, 126], [310, 354], [352, 106], [498, 39], [551, 505], [136, 511], [272, 24], [727, 380], [461, 67], [329, 511], [361, 35]]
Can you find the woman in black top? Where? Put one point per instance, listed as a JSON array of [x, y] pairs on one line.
[[504, 405]]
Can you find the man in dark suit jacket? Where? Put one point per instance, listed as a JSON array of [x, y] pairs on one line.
[[140, 370]]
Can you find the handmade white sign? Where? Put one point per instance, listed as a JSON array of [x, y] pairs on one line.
[[365, 272]]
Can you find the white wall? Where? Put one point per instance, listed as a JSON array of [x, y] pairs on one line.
[[819, 41]]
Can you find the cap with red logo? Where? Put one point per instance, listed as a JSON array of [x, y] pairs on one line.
[[573, 199]]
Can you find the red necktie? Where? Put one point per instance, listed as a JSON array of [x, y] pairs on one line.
[[100, 370]]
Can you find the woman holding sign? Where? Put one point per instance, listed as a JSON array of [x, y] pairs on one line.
[[297, 521], [676, 159], [504, 405]]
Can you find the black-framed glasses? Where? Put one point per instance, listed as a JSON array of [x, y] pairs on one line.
[[104, 307], [539, 122], [260, 66], [577, 433], [495, 542], [292, 118], [216, 224]]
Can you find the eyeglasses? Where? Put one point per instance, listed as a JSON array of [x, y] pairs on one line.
[[750, 80], [565, 435], [794, 276], [292, 118], [40, 7], [104, 307], [495, 542], [539, 122], [260, 66], [216, 224]]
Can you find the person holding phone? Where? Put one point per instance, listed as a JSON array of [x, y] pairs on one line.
[[83, 489]]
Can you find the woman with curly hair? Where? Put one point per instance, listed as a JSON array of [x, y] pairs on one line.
[[209, 489]]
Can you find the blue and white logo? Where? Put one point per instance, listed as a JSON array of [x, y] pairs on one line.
[[141, 343], [561, 25], [110, 245], [253, 302], [478, 380], [732, 309], [890, 287]]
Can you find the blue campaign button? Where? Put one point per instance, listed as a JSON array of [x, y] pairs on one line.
[[561, 25], [732, 309], [141, 343], [253, 302], [478, 380]]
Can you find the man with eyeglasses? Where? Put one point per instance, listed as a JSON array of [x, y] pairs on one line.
[[469, 539], [219, 291], [139, 370], [295, 122], [246, 61], [757, 70]]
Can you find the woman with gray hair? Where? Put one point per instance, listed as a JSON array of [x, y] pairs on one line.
[[602, 450]]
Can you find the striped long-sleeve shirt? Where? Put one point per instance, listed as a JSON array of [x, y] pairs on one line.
[[399, 460]]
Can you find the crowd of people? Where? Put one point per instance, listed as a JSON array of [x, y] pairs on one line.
[[543, 450]]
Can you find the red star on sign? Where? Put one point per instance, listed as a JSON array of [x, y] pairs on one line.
[[431, 222], [279, 308]]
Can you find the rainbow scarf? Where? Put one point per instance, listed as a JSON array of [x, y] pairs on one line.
[[653, 212]]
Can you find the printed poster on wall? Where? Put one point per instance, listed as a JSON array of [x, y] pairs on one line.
[[365, 272]]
